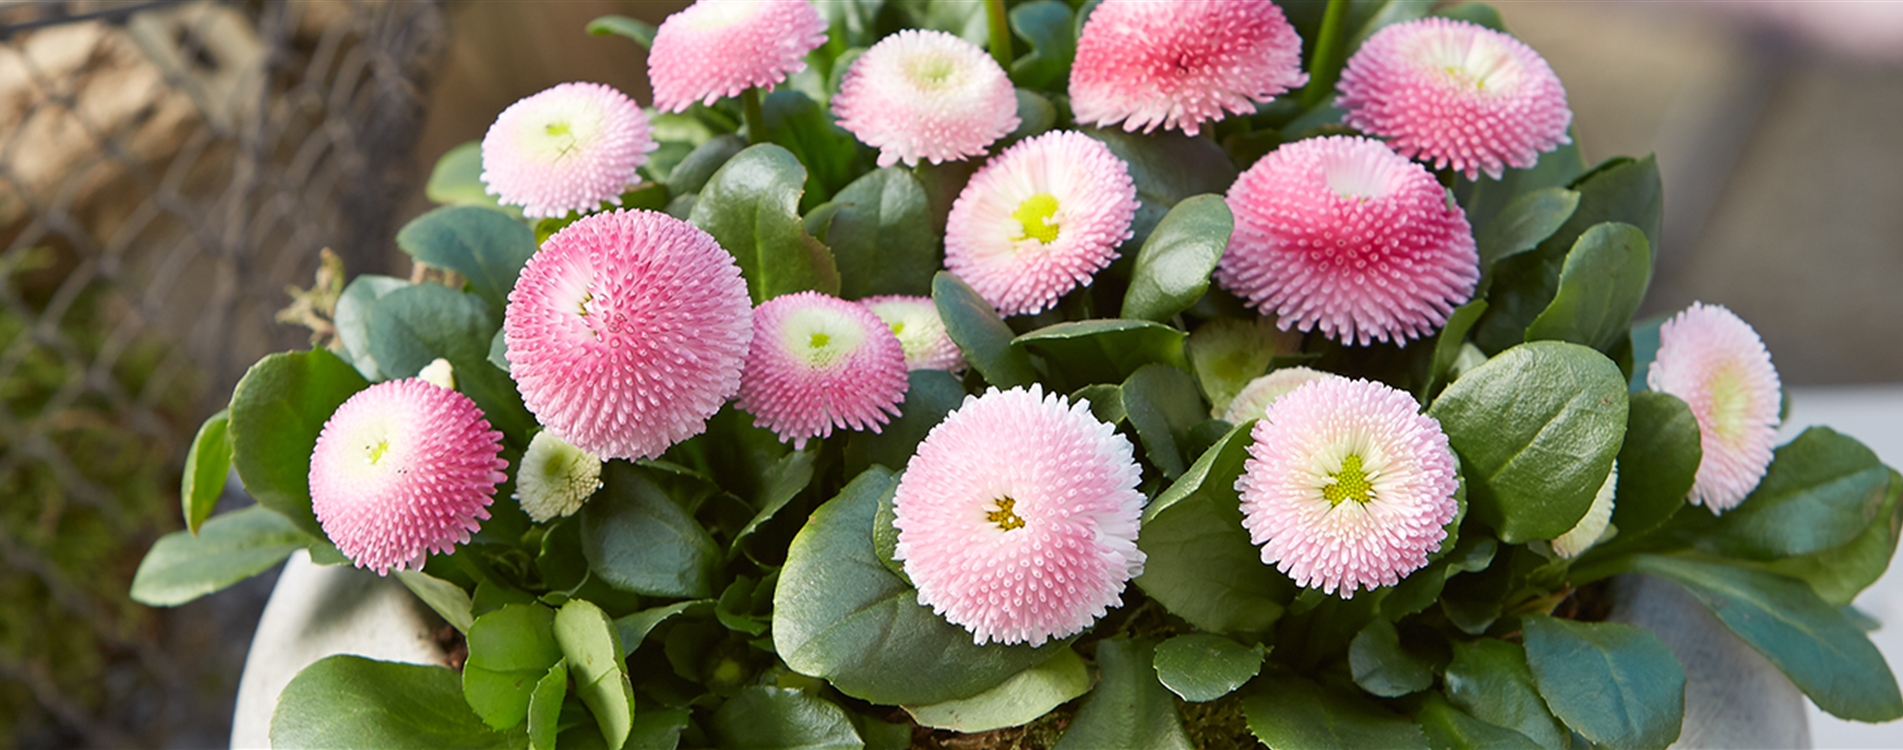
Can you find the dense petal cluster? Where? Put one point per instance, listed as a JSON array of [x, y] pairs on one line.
[[1347, 485], [627, 331], [926, 95], [719, 48], [1040, 220], [1342, 234], [1180, 64], [555, 478], [915, 321], [569, 148], [404, 468], [1456, 94], [1018, 517], [820, 362], [1253, 402], [1715, 363]]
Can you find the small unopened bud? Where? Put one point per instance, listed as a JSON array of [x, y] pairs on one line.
[[555, 478], [439, 373]]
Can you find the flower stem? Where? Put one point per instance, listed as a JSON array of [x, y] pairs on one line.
[[1326, 65], [756, 117], [1000, 33]]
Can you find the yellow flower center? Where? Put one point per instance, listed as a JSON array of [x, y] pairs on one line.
[[819, 341], [377, 451], [1034, 214], [1729, 401], [1004, 517], [1351, 483]]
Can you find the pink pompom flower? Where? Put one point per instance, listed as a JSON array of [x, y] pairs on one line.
[[719, 48], [820, 362], [569, 148], [1715, 362], [627, 331], [404, 468], [926, 95], [1018, 517], [1180, 64], [1347, 486], [1040, 220], [915, 321], [1455, 94], [1343, 234]]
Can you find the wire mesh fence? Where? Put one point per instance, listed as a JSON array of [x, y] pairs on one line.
[[166, 169]]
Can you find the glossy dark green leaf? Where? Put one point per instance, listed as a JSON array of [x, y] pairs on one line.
[[487, 248], [1014, 702], [751, 207], [800, 125], [1104, 350], [1036, 115], [1825, 655], [1162, 405], [593, 652], [885, 534], [415, 325], [931, 395], [639, 540], [783, 483], [699, 166], [1617, 685], [1490, 679], [1821, 491], [974, 325], [1537, 428], [1047, 25], [1449, 728], [1658, 462], [772, 718], [1167, 167], [881, 234], [1382, 667], [1129, 708], [207, 464], [839, 614], [1839, 574], [350, 701], [277, 410], [1106, 401], [456, 180], [1174, 266], [227, 549], [639, 32], [1288, 712], [1448, 343], [1524, 223], [1203, 667], [1600, 286], [510, 651], [545, 706], [1486, 197], [634, 628]]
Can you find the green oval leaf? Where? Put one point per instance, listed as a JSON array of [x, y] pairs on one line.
[[1658, 462], [639, 540], [444, 598], [1129, 708], [881, 234], [207, 465], [486, 247], [1047, 25], [1821, 491], [510, 651], [1490, 679], [792, 120], [1288, 712], [1104, 350], [1523, 224], [415, 325], [639, 32], [1839, 574], [1537, 428], [1167, 167], [1203, 667], [1382, 667], [772, 718], [1173, 267], [352, 320], [1160, 402], [1014, 702], [277, 410], [456, 180], [1448, 344], [350, 701], [1449, 728], [975, 327], [930, 395], [545, 706], [588, 642], [1600, 286], [699, 165], [751, 207], [1617, 685], [1226, 353], [227, 549]]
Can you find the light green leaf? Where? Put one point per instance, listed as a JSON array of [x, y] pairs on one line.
[[1821, 491], [1617, 685], [227, 549], [1226, 353], [545, 706], [1173, 267], [1658, 462], [1130, 708], [1014, 702], [1288, 712], [1449, 728], [974, 325], [1203, 667], [207, 465], [487, 248], [882, 236], [593, 651], [772, 718], [456, 180], [1105, 350], [1382, 667], [511, 650], [640, 32], [446, 599], [639, 540], [350, 701], [277, 410], [1490, 679], [751, 207], [1600, 286]]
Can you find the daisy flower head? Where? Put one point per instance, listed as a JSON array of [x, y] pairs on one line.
[[1253, 402], [555, 478], [926, 95], [401, 469], [569, 148], [1456, 94], [818, 363], [719, 48], [1040, 220], [627, 331], [1017, 517], [1347, 486], [1342, 234], [1180, 64], [921, 333], [1715, 362]]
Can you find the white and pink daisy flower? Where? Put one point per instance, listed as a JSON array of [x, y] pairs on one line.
[[1456, 94], [1181, 64], [921, 333], [1347, 486], [1040, 220], [818, 363], [1018, 517], [627, 331], [569, 148], [719, 48], [926, 95], [1344, 235], [1253, 402], [1715, 362], [404, 468]]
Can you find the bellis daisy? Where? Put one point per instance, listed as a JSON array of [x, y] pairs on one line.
[[1181, 64], [1456, 94], [569, 148], [1343, 234], [921, 333], [820, 362], [1253, 402], [1593, 525], [404, 468], [1018, 516], [627, 331], [719, 48], [1716, 363], [555, 478], [1347, 486], [1040, 220], [926, 95]]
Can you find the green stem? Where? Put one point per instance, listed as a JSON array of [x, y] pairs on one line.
[[1000, 33], [756, 117], [1326, 65]]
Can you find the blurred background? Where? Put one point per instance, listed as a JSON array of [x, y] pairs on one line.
[[168, 168]]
